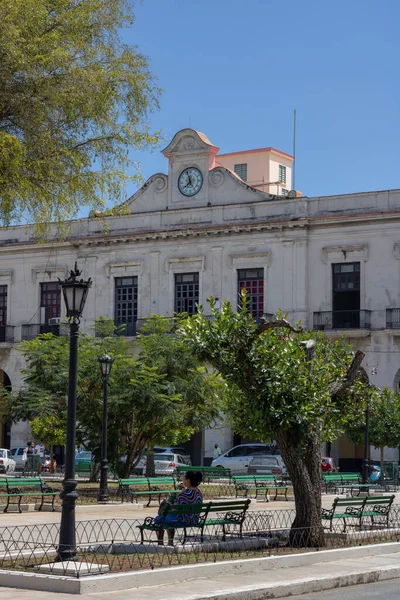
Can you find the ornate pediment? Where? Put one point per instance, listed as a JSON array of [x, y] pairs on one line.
[[189, 141]]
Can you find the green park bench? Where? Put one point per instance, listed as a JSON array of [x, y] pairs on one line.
[[373, 507], [207, 472], [136, 487], [18, 488], [85, 467], [199, 516], [345, 481], [259, 483]]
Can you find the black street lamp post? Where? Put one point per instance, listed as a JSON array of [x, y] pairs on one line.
[[75, 292], [105, 368], [365, 464]]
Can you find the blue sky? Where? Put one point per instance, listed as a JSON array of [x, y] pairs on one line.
[[236, 69]]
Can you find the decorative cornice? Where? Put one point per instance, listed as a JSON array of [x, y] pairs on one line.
[[361, 249], [51, 272], [185, 263], [124, 268], [6, 276], [250, 258]]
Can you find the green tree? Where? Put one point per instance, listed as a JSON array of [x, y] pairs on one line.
[[289, 388], [147, 404], [73, 100], [51, 431], [383, 421]]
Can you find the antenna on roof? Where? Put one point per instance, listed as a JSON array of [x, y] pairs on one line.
[[294, 152]]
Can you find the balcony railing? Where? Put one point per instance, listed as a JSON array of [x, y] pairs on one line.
[[31, 331], [393, 318], [128, 329], [7, 333], [342, 319]]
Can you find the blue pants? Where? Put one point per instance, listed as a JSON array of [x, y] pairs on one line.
[[168, 520]]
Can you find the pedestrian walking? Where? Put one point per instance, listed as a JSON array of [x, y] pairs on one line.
[[217, 451]]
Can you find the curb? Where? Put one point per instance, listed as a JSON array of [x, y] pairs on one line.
[[301, 586], [177, 575]]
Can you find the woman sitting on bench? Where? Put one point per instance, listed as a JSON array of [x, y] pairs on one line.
[[190, 495]]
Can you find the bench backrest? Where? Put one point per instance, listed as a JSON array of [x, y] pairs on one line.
[[23, 481], [243, 478], [178, 510], [267, 477], [3, 482], [379, 500], [230, 506], [161, 481], [212, 469], [350, 476], [134, 481], [331, 476], [351, 502]]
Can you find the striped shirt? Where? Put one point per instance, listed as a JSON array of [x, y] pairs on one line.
[[190, 496]]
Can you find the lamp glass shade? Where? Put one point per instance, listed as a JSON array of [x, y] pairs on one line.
[[75, 294], [105, 365]]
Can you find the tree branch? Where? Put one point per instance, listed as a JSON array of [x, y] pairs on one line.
[[337, 388], [275, 324]]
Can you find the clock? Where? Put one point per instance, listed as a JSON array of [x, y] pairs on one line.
[[190, 181]]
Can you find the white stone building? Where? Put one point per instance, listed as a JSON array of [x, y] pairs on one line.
[[333, 262]]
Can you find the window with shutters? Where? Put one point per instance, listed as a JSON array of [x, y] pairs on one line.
[[282, 173], [50, 300], [186, 292], [3, 305], [126, 299], [241, 170], [252, 280]]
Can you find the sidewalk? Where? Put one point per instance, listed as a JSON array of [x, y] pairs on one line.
[[274, 583]]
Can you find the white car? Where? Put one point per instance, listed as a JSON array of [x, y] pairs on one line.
[[239, 457], [7, 463], [17, 454]]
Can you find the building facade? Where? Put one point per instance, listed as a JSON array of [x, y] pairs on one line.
[[200, 231]]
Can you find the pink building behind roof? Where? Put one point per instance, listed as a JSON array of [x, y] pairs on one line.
[[265, 169]]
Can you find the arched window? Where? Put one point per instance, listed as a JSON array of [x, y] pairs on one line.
[[396, 382]]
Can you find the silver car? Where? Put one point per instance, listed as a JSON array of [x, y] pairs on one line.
[[238, 458], [267, 465], [165, 464]]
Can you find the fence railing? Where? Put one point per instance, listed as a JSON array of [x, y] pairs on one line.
[[342, 319], [32, 330], [7, 333], [114, 545], [393, 318]]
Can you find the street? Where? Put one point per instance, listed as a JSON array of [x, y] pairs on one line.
[[385, 590]]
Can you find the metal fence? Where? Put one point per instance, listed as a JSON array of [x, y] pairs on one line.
[[113, 545]]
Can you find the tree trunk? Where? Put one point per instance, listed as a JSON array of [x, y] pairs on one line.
[[150, 467], [304, 471], [382, 459], [51, 459]]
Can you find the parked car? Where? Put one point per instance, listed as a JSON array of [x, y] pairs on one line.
[[7, 463], [267, 465], [17, 454], [174, 450], [165, 463], [239, 457]]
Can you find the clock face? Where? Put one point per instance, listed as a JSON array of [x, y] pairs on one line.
[[190, 181]]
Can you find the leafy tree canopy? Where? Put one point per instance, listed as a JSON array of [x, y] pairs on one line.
[[383, 421], [73, 100], [292, 386], [160, 396]]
